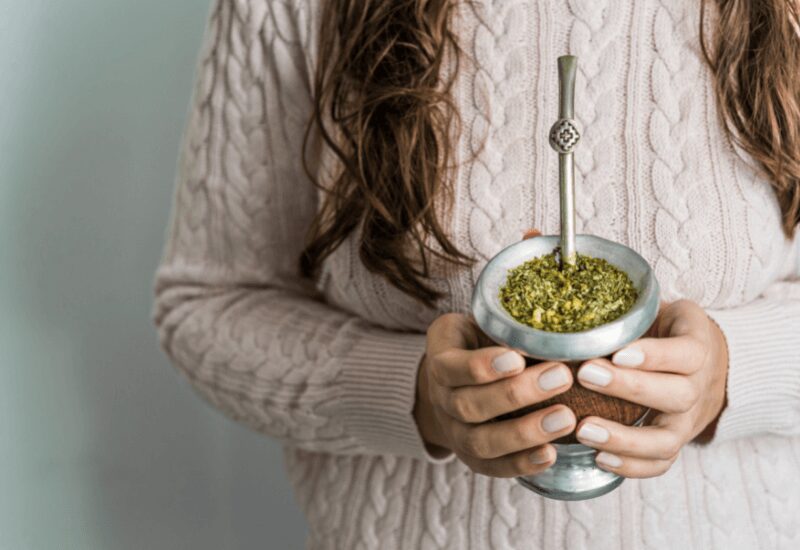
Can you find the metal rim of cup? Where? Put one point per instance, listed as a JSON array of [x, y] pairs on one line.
[[498, 324]]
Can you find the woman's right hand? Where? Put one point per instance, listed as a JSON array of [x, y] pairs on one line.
[[462, 385]]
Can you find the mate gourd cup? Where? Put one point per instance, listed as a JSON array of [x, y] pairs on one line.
[[574, 475]]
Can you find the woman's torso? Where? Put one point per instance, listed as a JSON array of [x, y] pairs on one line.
[[654, 171]]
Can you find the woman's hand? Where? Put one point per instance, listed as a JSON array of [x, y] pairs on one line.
[[462, 385], [679, 370]]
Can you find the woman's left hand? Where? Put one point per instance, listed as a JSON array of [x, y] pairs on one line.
[[679, 370]]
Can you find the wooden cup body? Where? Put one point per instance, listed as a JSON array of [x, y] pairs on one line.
[[585, 402]]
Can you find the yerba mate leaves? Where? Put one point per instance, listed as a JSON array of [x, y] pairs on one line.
[[540, 294]]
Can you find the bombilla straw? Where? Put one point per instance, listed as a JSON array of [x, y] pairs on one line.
[[564, 136]]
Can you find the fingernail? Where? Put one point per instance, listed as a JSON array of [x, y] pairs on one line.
[[557, 421], [553, 378], [594, 374], [612, 461], [593, 433], [628, 357], [539, 456], [508, 362]]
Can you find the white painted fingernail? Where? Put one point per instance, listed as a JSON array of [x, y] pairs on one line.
[[608, 459], [628, 357], [553, 378], [539, 456], [593, 433], [557, 421], [508, 362], [594, 374]]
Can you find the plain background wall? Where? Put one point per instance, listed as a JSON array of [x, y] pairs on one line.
[[102, 443]]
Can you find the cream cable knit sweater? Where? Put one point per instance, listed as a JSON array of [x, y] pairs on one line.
[[329, 368]]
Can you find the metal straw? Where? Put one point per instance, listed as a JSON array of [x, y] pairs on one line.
[[564, 136]]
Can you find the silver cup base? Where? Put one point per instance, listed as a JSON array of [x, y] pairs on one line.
[[573, 476]]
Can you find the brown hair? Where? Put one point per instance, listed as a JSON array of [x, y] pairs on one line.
[[755, 59], [380, 84]]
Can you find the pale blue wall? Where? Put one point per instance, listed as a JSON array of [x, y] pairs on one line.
[[102, 444]]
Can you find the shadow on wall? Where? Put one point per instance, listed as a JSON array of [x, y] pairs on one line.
[[106, 445]]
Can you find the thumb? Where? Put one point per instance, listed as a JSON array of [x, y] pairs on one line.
[[531, 233]]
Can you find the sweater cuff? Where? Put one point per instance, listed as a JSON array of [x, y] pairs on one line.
[[763, 387], [379, 381]]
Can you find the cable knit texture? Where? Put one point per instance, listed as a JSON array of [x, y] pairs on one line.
[[329, 366]]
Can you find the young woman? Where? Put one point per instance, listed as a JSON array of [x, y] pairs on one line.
[[349, 167]]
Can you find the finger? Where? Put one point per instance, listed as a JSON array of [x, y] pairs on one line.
[[654, 328], [537, 383], [531, 233], [683, 317], [523, 463], [481, 339], [452, 330], [494, 439], [662, 440], [678, 354], [627, 466], [459, 367], [666, 392], [677, 343]]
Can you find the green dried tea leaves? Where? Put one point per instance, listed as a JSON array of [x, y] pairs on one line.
[[540, 294]]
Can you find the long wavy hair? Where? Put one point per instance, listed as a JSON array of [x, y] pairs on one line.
[[383, 106]]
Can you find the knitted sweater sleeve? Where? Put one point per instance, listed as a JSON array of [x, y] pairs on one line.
[[763, 388], [233, 314]]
